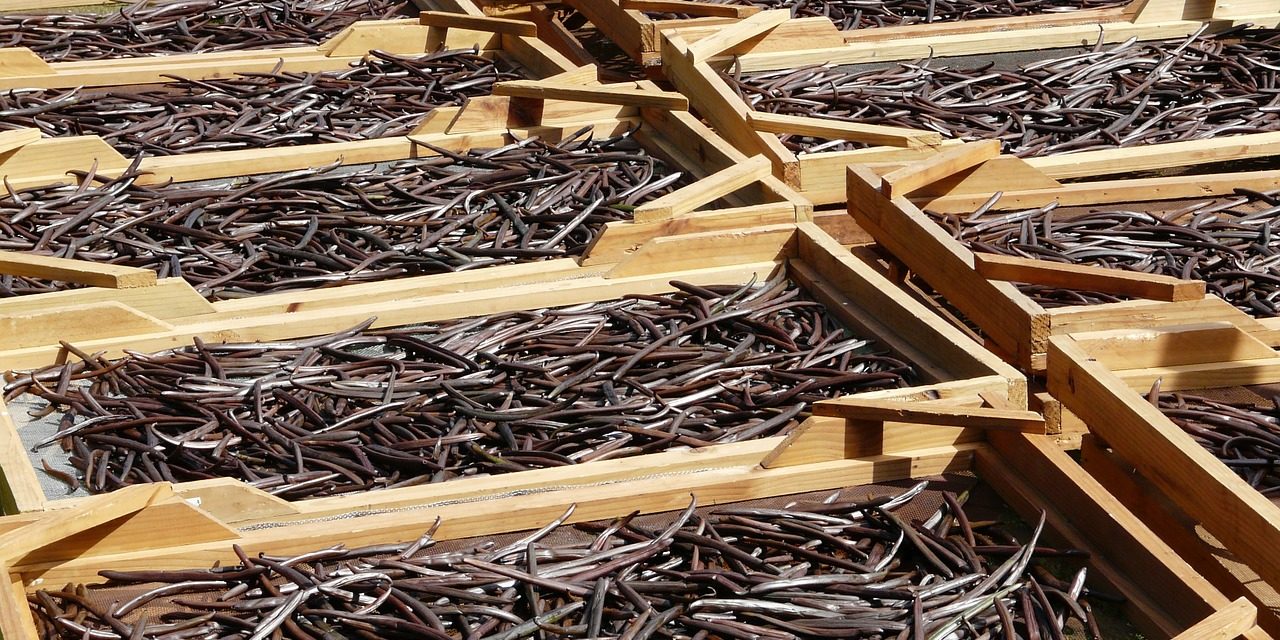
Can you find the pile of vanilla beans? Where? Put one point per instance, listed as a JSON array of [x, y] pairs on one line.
[[1231, 243], [1117, 95], [869, 14], [835, 568], [1244, 436], [383, 95], [188, 26], [360, 409], [527, 201]]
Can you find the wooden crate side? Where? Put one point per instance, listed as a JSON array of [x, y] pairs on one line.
[[1033, 474], [1246, 522], [1013, 321], [1169, 524]]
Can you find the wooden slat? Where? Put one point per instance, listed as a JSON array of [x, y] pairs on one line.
[[20, 490], [552, 31], [21, 61], [75, 323], [15, 614], [733, 35], [947, 162], [1158, 156], [170, 298], [839, 129], [1172, 346], [855, 408], [1227, 623], [1007, 316], [702, 250], [477, 23], [621, 238], [1150, 286], [1031, 473], [57, 525], [1245, 521], [705, 191], [94, 274], [11, 140], [606, 95], [689, 7]]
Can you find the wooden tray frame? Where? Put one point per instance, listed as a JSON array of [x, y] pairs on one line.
[[1147, 461], [690, 61], [1166, 596], [1014, 324], [853, 290]]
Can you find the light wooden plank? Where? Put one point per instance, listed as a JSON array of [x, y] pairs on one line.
[[57, 525], [586, 74], [1172, 527], [858, 409], [1172, 346], [814, 32], [873, 304], [723, 109], [1158, 156], [21, 61], [622, 238], [1150, 286], [76, 323], [12, 140], [708, 249], [552, 31], [170, 298], [838, 129], [733, 35], [536, 56], [1227, 623], [1111, 191], [527, 511], [394, 313], [477, 23], [1007, 316], [16, 620], [1203, 375], [980, 42], [1142, 314], [1032, 474], [1245, 521], [20, 490], [94, 274], [705, 191], [987, 178], [689, 7], [946, 162], [602, 94], [53, 157]]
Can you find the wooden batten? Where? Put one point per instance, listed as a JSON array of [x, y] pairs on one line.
[[1164, 594], [1084, 373]]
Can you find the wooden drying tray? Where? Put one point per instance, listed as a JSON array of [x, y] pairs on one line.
[[982, 289], [21, 68], [556, 105], [137, 527], [692, 57], [135, 302], [1172, 482], [852, 290]]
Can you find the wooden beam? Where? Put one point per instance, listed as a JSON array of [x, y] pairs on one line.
[[94, 274], [838, 129], [705, 191], [1033, 474], [947, 162], [709, 249], [20, 488], [448, 20], [1150, 286], [21, 61], [16, 621], [1125, 349], [1246, 522], [74, 323], [1227, 623], [1015, 322], [58, 525], [602, 94], [688, 7], [733, 35], [855, 408], [1158, 156], [10, 140]]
